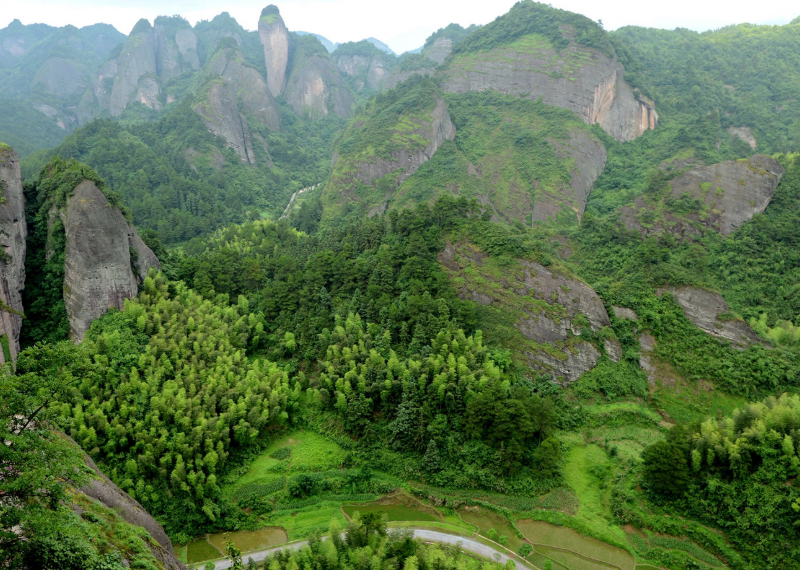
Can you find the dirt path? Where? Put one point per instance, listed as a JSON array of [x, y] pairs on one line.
[[467, 545]]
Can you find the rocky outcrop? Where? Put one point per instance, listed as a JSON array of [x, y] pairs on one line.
[[229, 84], [13, 233], [275, 39], [709, 312], [316, 88], [103, 490], [588, 157], [717, 198], [548, 309], [150, 58], [438, 50], [99, 270], [398, 76], [744, 134], [578, 78], [369, 70]]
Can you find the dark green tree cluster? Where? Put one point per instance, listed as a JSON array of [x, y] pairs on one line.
[[176, 396], [737, 473], [366, 544], [449, 392]]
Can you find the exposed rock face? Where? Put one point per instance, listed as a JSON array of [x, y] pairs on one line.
[[372, 69], [744, 134], [706, 311], [580, 79], [439, 50], [231, 82], [151, 57], [13, 233], [625, 313], [397, 77], [275, 39], [589, 159], [315, 89], [729, 194], [546, 308], [99, 272], [102, 489]]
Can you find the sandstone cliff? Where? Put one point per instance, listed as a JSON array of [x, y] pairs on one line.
[[578, 78], [709, 312], [719, 198], [369, 71], [275, 39], [103, 490], [438, 50], [229, 83], [315, 87], [13, 233], [545, 308], [100, 271], [151, 57]]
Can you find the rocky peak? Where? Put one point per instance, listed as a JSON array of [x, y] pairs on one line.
[[315, 87], [13, 233], [151, 57], [274, 37], [229, 82], [105, 259]]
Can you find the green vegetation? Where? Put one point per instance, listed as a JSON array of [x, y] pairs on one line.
[[736, 472], [453, 32], [528, 17]]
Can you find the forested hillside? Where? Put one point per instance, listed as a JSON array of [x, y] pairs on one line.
[[537, 286]]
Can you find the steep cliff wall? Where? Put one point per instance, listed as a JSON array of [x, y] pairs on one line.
[[99, 271], [369, 71], [151, 57], [546, 310], [13, 232], [438, 50], [578, 78], [718, 198], [275, 39], [229, 83], [315, 87]]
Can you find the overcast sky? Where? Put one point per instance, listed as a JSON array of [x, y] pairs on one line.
[[404, 24]]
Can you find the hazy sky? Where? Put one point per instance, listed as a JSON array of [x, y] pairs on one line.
[[404, 24]]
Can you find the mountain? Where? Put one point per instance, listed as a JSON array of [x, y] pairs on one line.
[[538, 281]]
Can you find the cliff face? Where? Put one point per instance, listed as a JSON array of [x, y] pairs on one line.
[[439, 50], [229, 83], [275, 39], [151, 57], [369, 70], [99, 270], [581, 79], [315, 88], [546, 309], [13, 233], [707, 311], [719, 198]]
